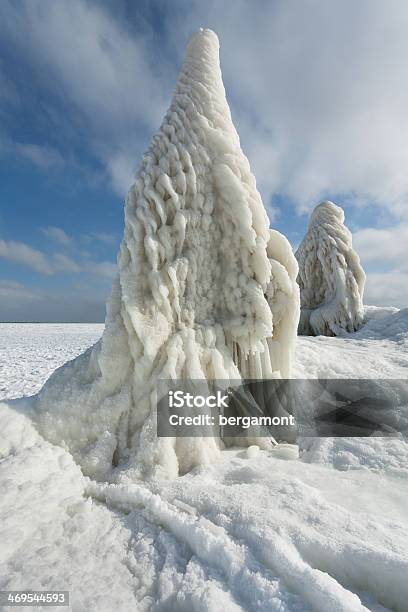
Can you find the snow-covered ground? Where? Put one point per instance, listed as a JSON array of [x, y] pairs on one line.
[[378, 350], [30, 352], [261, 530]]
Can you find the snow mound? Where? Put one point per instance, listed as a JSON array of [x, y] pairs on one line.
[[204, 290], [55, 538], [331, 279], [322, 538], [378, 350], [393, 325], [372, 313], [257, 531], [375, 454]]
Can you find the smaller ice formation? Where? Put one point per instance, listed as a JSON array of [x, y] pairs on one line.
[[331, 278]]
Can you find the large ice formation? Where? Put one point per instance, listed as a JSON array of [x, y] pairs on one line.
[[331, 278], [204, 290]]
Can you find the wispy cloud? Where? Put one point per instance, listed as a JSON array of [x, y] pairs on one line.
[[58, 235], [54, 263], [319, 94], [105, 269], [104, 237], [21, 303], [319, 97], [63, 263], [121, 167], [383, 253], [15, 291], [323, 109], [41, 156], [21, 253], [107, 82], [383, 246], [387, 289]]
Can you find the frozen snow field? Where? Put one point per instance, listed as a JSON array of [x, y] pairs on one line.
[[260, 530], [30, 352]]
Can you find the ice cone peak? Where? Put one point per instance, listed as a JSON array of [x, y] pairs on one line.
[[326, 211], [203, 46], [200, 90], [202, 60]]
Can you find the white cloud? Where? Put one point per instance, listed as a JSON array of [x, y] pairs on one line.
[[23, 254], [55, 263], [319, 93], [388, 245], [121, 168], [383, 253], [43, 157], [105, 77], [21, 303], [63, 263], [387, 289], [105, 269], [57, 234], [15, 291], [105, 237]]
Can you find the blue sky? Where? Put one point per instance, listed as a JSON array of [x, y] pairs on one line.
[[318, 93]]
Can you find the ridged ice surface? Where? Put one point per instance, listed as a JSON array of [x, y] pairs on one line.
[[204, 289], [331, 278]]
